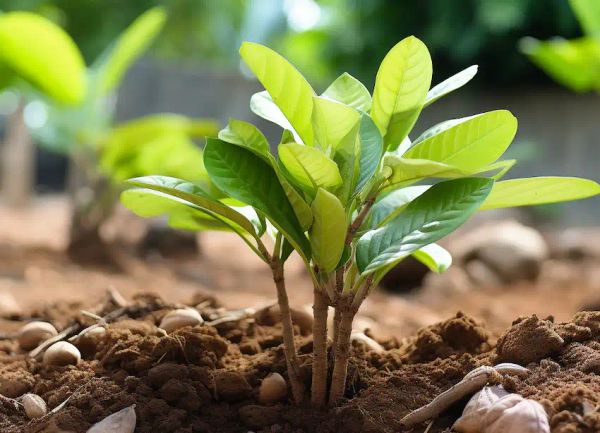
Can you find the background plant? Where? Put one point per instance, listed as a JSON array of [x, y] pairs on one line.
[[349, 191], [574, 63], [80, 116]]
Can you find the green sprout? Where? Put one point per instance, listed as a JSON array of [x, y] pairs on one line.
[[348, 190]]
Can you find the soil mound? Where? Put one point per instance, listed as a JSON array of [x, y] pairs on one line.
[[206, 378]]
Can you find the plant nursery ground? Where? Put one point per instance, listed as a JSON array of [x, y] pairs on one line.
[[206, 378]]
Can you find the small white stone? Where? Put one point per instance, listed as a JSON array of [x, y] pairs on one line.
[[368, 341], [179, 318], [35, 406], [122, 421], [472, 416], [515, 414], [61, 354], [272, 389], [34, 333]]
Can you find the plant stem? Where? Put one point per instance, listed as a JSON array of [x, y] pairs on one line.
[[359, 219], [319, 368], [337, 317], [289, 346], [342, 354]]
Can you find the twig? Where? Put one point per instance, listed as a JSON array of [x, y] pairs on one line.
[[10, 401]]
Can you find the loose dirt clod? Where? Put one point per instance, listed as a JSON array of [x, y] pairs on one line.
[[61, 354], [33, 333], [179, 318], [35, 406], [272, 389]]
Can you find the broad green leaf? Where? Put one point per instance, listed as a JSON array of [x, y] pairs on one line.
[[572, 63], [246, 135], [350, 91], [588, 14], [431, 216], [406, 171], [401, 87], [434, 257], [43, 54], [248, 178], [262, 105], [470, 144], [328, 232], [539, 190], [333, 122], [371, 150], [182, 214], [301, 208], [195, 195], [288, 88], [390, 205], [130, 45], [451, 84], [439, 128], [309, 167]]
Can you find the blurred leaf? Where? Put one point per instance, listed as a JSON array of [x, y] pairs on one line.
[[431, 216], [328, 231], [288, 88], [401, 87], [40, 52], [348, 90], [588, 14], [539, 190], [436, 258], [114, 63]]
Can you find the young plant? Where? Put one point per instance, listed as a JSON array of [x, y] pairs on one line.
[[348, 190]]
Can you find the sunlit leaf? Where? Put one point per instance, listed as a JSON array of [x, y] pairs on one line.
[[309, 167], [333, 122], [436, 258], [401, 87], [451, 84], [246, 135], [328, 232], [262, 105], [288, 88], [43, 54], [434, 214], [469, 144], [371, 150], [588, 14], [350, 91], [539, 190]]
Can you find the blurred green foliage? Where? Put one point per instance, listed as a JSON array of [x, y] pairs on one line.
[[350, 35]]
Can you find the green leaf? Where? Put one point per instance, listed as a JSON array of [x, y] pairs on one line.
[[288, 88], [539, 190], [130, 45], [431, 216], [390, 205], [350, 91], [469, 144], [43, 54], [262, 105], [333, 122], [371, 151], [406, 171], [401, 87], [195, 195], [309, 167], [451, 84], [246, 135], [572, 63], [248, 178], [328, 232], [434, 257], [588, 15]]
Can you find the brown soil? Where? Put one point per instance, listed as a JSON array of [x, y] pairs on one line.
[[206, 379]]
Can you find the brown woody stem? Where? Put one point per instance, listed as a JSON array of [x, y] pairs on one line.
[[342, 355], [319, 368]]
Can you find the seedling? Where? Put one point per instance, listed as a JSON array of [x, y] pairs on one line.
[[348, 190]]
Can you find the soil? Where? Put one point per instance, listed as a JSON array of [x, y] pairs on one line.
[[206, 378]]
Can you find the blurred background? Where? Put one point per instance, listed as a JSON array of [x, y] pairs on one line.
[[189, 65]]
